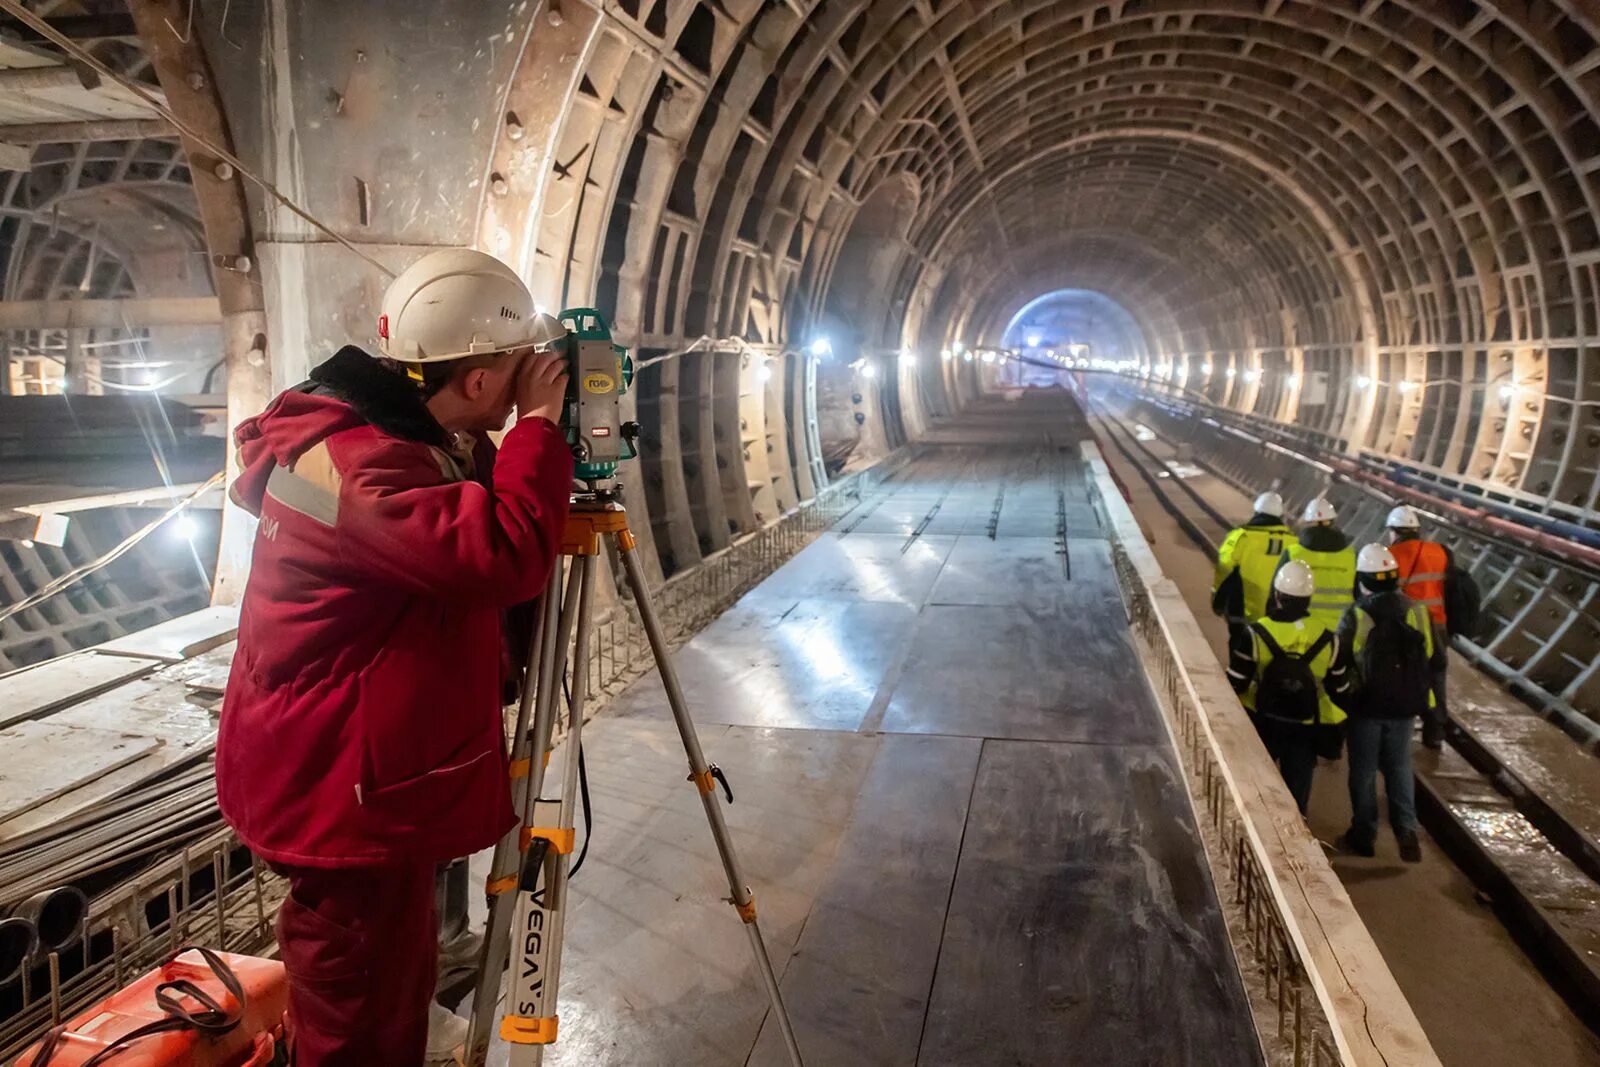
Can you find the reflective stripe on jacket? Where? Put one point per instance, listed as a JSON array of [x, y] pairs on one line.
[[1253, 551], [1424, 566], [1335, 573], [1295, 638]]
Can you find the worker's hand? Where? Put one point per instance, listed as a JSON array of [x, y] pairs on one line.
[[542, 386]]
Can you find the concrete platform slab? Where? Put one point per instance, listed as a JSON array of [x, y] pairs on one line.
[[991, 671]]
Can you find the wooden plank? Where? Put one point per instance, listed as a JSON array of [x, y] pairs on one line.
[[1369, 1017], [47, 760], [1083, 918], [180, 638], [159, 706], [38, 690], [206, 675]]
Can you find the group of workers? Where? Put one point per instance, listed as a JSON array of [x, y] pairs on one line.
[[1329, 645]]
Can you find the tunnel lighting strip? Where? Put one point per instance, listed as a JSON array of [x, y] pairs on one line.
[[71, 47]]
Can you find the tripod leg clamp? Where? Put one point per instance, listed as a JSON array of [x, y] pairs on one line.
[[520, 768], [495, 886], [561, 840], [521, 1030], [747, 910]]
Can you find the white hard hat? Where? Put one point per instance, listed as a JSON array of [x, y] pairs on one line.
[[1319, 510], [460, 302], [1403, 518], [1269, 503], [1295, 579], [1376, 559]]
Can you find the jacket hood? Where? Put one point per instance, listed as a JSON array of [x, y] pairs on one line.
[[351, 389], [1323, 539], [1262, 519]]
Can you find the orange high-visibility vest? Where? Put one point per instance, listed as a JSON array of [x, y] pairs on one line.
[[1422, 572]]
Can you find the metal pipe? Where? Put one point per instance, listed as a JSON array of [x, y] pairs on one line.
[[84, 132], [109, 314], [58, 915], [53, 76], [19, 941]]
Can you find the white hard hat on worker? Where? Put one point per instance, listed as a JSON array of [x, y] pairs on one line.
[[1377, 561], [1403, 518], [459, 302], [1269, 503], [1319, 510], [1295, 578]]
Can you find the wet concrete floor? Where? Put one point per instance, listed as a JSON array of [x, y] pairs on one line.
[[966, 831]]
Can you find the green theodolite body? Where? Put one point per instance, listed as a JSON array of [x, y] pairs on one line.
[[599, 373]]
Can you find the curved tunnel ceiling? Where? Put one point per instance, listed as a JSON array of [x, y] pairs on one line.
[[1339, 193], [1380, 191]]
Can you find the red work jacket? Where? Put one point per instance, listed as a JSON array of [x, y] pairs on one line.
[[362, 722]]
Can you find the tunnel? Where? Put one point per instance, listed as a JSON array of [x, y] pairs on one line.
[[1088, 274]]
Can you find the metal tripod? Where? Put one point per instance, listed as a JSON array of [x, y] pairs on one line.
[[528, 882]]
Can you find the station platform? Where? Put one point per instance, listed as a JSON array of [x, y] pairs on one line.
[[965, 824]]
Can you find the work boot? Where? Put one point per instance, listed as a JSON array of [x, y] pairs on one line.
[[1410, 847], [447, 1035], [1354, 848]]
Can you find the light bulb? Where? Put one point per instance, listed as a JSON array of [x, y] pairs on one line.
[[1251, 375], [764, 372], [1033, 340], [186, 527], [821, 347], [1230, 372], [869, 370], [988, 357], [1407, 385], [1293, 381], [1362, 381], [908, 358], [1507, 392]]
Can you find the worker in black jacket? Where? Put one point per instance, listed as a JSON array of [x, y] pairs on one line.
[[1389, 658]]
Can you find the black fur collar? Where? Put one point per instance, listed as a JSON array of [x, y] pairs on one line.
[[385, 398]]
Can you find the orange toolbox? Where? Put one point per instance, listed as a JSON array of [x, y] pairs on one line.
[[256, 1040]]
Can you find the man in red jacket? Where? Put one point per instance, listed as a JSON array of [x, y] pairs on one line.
[[361, 740]]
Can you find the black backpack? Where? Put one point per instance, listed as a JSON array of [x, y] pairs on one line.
[[1395, 676], [1287, 688], [1463, 603]]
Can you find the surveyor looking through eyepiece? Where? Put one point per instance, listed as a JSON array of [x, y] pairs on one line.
[[361, 741]]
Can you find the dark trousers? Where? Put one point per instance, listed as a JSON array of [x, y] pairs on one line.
[[360, 946], [1293, 747], [1381, 744], [1433, 719]]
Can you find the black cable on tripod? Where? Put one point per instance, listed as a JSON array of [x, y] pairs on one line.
[[583, 791]]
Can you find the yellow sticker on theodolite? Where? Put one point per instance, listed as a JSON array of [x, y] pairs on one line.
[[598, 382]]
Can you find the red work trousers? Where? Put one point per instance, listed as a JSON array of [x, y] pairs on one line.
[[360, 945]]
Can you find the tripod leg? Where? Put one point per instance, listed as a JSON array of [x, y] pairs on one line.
[[538, 932], [527, 756], [702, 775]]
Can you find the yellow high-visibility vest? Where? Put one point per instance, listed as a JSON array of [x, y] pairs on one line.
[[1296, 637], [1253, 551], [1336, 579]]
